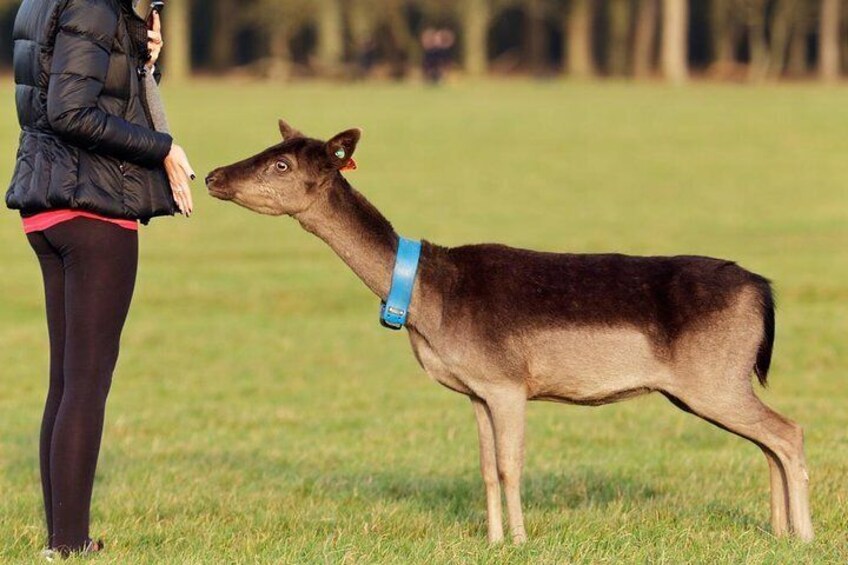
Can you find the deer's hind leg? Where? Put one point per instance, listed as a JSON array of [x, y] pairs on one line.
[[777, 478], [781, 439], [779, 494], [712, 378]]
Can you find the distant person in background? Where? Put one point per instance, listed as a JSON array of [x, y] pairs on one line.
[[90, 166], [366, 57], [431, 66], [436, 45], [445, 40]]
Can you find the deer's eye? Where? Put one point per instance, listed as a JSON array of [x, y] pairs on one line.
[[282, 166]]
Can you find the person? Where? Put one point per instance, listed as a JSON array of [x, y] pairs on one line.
[[89, 169], [366, 57], [436, 46], [431, 66]]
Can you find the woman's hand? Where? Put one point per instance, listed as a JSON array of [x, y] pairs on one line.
[[154, 40], [180, 175]]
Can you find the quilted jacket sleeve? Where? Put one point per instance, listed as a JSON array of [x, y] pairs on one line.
[[80, 64]]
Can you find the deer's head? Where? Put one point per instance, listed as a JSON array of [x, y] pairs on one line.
[[286, 178]]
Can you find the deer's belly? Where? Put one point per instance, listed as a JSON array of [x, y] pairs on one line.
[[591, 365]]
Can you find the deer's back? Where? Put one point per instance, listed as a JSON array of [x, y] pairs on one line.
[[506, 289]]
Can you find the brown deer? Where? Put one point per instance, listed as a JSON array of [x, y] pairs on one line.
[[504, 325]]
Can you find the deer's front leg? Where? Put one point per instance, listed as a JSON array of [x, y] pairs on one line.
[[507, 408], [489, 469]]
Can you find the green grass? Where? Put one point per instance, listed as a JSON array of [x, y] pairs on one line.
[[260, 414]]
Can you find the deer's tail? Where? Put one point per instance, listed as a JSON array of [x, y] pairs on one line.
[[761, 367]]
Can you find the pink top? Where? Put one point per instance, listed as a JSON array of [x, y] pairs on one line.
[[45, 220]]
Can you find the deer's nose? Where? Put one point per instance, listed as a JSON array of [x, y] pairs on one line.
[[211, 178]]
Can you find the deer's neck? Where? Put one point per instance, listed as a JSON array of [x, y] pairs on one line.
[[357, 232]]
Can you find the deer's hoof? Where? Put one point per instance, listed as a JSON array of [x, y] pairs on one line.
[[805, 536]]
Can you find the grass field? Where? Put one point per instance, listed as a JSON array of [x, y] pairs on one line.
[[260, 414]]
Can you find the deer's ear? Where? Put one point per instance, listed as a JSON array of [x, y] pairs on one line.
[[288, 132], [341, 148]]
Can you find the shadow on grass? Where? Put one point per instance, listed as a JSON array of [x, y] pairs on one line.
[[456, 497], [456, 494], [729, 515], [459, 495]]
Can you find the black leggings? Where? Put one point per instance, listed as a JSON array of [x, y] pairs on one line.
[[89, 269]]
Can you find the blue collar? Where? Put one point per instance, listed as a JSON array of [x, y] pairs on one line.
[[395, 309]]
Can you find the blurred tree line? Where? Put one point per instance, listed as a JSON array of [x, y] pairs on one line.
[[671, 39]]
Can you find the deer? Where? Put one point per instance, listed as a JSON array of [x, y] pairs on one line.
[[505, 326]]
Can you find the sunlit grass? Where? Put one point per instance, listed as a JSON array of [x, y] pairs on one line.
[[260, 414]]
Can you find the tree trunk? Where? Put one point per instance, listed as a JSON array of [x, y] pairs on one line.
[[330, 35], [759, 63], [829, 21], [644, 41], [844, 43], [782, 23], [757, 41], [476, 16], [175, 27], [223, 34], [534, 35], [407, 48], [279, 51], [362, 22], [619, 36], [675, 49], [578, 27], [723, 34], [797, 63]]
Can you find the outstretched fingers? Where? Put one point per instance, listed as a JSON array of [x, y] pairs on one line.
[[180, 174], [189, 175]]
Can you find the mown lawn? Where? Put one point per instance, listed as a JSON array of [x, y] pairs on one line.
[[260, 413]]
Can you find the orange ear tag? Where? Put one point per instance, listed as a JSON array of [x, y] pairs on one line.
[[351, 166]]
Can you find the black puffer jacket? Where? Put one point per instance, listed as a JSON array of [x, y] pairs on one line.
[[86, 141]]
